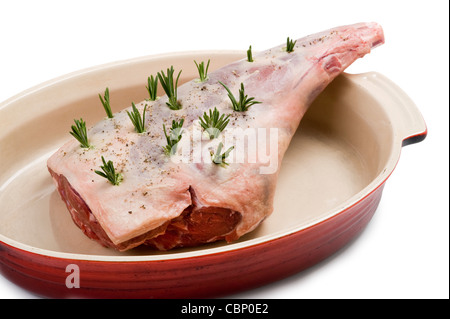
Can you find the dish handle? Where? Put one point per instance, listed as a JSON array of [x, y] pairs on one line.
[[404, 114]]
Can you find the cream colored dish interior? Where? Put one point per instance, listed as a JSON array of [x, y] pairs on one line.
[[343, 146]]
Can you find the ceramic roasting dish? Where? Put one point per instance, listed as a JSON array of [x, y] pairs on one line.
[[330, 184]]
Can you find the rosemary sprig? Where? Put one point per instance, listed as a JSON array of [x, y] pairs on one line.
[[170, 87], [290, 45], [202, 72], [136, 119], [249, 54], [80, 133], [173, 137], [244, 101], [109, 172], [106, 104], [214, 123], [152, 87], [219, 158]]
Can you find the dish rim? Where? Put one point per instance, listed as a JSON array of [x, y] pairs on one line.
[[365, 192]]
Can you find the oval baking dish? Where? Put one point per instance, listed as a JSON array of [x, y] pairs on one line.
[[329, 187]]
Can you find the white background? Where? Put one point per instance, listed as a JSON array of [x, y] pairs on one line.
[[404, 251]]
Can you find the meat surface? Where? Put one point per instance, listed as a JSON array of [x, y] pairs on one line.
[[186, 199]]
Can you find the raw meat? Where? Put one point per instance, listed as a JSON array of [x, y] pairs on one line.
[[185, 199]]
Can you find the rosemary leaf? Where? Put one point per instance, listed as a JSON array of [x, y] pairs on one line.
[[244, 101], [170, 87], [218, 157], [202, 72], [136, 119], [152, 87], [106, 103], [249, 54], [109, 172], [173, 137], [80, 133], [214, 123], [290, 45]]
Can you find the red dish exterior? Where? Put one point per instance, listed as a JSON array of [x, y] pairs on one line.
[[210, 275]]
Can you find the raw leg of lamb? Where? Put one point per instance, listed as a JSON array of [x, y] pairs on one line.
[[198, 191]]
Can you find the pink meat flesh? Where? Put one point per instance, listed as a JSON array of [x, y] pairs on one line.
[[167, 204]]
